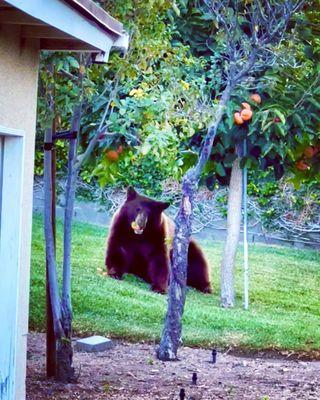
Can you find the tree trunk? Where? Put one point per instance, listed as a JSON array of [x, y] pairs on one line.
[[49, 236], [171, 335], [51, 343], [65, 371], [232, 239], [50, 257]]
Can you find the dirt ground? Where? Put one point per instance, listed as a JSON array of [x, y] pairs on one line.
[[131, 371]]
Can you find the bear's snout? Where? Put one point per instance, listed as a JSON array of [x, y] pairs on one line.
[[139, 224]]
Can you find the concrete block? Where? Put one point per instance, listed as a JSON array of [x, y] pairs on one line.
[[93, 344]]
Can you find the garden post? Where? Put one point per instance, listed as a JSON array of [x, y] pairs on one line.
[[50, 336], [245, 233]]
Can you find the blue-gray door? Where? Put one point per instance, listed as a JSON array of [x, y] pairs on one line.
[[11, 168]]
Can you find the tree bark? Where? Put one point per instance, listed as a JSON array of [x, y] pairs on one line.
[[51, 343], [65, 370], [171, 335], [232, 239], [68, 212], [49, 237]]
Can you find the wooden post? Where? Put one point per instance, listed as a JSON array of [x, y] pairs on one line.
[[51, 340]]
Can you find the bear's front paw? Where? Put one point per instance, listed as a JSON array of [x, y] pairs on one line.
[[159, 290], [207, 290], [115, 276]]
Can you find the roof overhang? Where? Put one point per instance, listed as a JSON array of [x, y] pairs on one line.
[[69, 25]]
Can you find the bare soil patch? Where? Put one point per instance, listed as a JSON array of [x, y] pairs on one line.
[[131, 371]]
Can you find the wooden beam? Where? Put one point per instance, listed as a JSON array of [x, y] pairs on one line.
[[59, 15], [98, 15], [65, 45], [42, 32], [4, 6], [15, 17]]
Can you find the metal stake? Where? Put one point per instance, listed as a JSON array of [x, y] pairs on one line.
[[245, 233]]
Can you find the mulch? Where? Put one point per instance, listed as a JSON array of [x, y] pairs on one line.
[[131, 371]]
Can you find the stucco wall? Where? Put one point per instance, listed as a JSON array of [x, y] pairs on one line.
[[18, 100]]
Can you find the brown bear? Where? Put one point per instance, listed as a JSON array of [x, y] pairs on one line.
[[139, 243]]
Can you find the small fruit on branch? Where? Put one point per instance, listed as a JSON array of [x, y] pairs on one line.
[[246, 106], [256, 98], [310, 151], [246, 114], [237, 118], [301, 165], [112, 155]]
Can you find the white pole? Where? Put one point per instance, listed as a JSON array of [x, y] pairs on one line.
[[245, 233]]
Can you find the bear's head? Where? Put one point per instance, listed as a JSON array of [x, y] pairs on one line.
[[142, 213]]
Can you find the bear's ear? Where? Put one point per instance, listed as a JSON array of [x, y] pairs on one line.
[[131, 193], [162, 205]]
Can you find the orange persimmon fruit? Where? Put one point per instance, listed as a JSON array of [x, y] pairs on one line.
[[246, 106], [309, 151], [301, 165], [237, 118], [256, 98], [112, 155], [246, 114]]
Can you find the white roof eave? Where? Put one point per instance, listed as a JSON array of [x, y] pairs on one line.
[[121, 44], [60, 15]]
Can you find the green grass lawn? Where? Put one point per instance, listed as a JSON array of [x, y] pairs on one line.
[[284, 298]]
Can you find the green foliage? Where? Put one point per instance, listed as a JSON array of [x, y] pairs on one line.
[[283, 295], [151, 120], [287, 125], [263, 188], [146, 172], [271, 138], [56, 71], [166, 90], [155, 89], [158, 84], [278, 200]]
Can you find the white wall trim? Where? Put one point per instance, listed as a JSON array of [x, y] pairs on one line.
[[10, 132]]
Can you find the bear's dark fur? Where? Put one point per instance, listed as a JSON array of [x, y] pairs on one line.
[[139, 244]]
